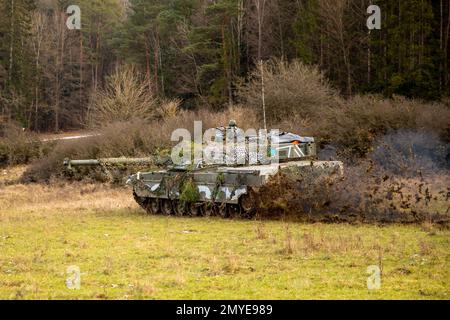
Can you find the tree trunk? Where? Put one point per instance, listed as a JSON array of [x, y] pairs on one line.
[[156, 62], [441, 47], [260, 6], [369, 59], [36, 88], [60, 70], [11, 45], [345, 56], [81, 74], [163, 89], [97, 55], [447, 31], [147, 63], [280, 27]]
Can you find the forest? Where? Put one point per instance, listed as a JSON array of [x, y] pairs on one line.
[[198, 53], [110, 80]]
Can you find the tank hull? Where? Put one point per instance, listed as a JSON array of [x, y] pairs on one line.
[[232, 188]]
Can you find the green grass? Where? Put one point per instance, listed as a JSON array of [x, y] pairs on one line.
[[125, 254]]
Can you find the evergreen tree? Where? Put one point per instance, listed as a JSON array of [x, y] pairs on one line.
[[16, 59]]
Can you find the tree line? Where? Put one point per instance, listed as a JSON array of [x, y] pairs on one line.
[[200, 51]]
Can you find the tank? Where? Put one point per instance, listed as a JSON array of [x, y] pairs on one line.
[[224, 188]]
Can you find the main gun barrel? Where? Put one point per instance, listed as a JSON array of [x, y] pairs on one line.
[[113, 161]]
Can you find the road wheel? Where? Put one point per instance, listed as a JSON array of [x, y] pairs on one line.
[[166, 207], [193, 209], [208, 209], [234, 210], [152, 206], [140, 201], [222, 210], [179, 208], [248, 205]]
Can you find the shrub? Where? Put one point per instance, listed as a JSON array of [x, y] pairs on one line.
[[356, 125], [189, 192], [18, 146], [290, 88], [299, 99], [127, 96]]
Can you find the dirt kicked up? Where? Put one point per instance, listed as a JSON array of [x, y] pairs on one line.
[[49, 232]]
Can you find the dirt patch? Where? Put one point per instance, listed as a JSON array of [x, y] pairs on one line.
[[362, 195]]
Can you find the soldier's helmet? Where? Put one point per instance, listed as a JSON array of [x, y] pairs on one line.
[[232, 124]]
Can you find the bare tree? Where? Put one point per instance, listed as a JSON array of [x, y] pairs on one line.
[[37, 38], [60, 28], [333, 25], [260, 9], [446, 39], [126, 96], [53, 52]]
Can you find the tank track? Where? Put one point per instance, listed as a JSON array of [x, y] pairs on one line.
[[166, 207]]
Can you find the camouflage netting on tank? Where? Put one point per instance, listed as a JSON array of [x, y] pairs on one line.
[[189, 192]]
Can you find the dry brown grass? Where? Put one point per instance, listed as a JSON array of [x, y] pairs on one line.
[[289, 243], [62, 198], [11, 174], [18, 146], [260, 231]]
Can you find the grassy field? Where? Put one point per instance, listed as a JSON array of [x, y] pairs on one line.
[[123, 253]]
